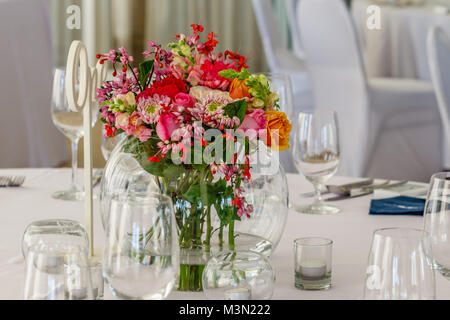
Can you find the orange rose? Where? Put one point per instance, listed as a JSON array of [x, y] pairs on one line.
[[238, 89], [278, 129]]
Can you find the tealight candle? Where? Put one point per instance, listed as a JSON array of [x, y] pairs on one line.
[[53, 264], [312, 269], [237, 294], [77, 294], [312, 263]]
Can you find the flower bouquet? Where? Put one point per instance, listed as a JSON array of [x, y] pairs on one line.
[[195, 121]]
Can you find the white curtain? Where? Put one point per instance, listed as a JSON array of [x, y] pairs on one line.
[[130, 23]]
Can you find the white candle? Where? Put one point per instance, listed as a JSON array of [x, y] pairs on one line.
[[237, 294], [312, 269]]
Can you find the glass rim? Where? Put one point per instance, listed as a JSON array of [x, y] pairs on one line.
[[61, 248], [44, 223], [380, 231], [325, 242], [142, 197], [149, 194], [441, 176]]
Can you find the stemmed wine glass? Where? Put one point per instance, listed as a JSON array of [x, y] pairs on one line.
[[71, 125], [141, 256], [316, 154], [437, 222], [398, 266]]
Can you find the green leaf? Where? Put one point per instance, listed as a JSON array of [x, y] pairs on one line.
[[201, 192], [145, 68], [237, 109], [229, 73], [155, 168], [173, 171]]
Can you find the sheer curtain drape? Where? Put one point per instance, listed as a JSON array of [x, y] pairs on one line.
[[131, 22]]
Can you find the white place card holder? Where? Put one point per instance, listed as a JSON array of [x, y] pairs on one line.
[[81, 82]]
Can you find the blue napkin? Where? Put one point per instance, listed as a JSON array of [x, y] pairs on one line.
[[398, 206]]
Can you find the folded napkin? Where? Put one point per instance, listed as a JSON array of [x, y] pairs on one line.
[[401, 205]]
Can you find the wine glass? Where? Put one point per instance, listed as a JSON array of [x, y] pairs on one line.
[[70, 123], [57, 271], [316, 155], [141, 253], [437, 221], [398, 267]]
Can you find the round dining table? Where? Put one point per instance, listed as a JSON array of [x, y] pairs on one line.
[[398, 48], [351, 231]]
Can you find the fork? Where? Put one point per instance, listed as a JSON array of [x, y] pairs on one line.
[[366, 190], [16, 181], [4, 182]]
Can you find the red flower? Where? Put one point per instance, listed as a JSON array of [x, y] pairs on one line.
[[197, 28], [169, 87], [209, 45]]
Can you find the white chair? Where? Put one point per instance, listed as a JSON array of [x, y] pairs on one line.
[[28, 136], [291, 8], [281, 60], [389, 128], [439, 60]]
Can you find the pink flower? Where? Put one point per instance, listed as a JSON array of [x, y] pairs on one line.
[[143, 133], [254, 121], [184, 100], [123, 121], [167, 124]]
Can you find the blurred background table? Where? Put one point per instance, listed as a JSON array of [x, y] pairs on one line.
[[351, 230], [398, 49]]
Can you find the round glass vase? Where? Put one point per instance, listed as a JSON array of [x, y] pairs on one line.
[[202, 229]]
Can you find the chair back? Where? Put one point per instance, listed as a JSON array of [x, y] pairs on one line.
[[29, 138], [438, 46], [291, 8], [334, 61], [269, 29]]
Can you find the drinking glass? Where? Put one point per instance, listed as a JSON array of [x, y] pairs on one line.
[[398, 267], [141, 250], [238, 275], [54, 230], [71, 125], [437, 221], [281, 84], [316, 155], [313, 262], [57, 271]]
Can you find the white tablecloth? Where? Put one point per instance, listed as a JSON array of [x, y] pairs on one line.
[[351, 230], [398, 49]]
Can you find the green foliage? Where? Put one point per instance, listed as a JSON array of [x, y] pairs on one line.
[[233, 74], [145, 69], [218, 195], [237, 109], [259, 86]]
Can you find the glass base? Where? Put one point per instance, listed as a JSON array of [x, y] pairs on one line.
[[302, 283], [317, 209], [69, 195]]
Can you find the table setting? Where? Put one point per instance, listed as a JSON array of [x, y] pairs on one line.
[[193, 203]]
